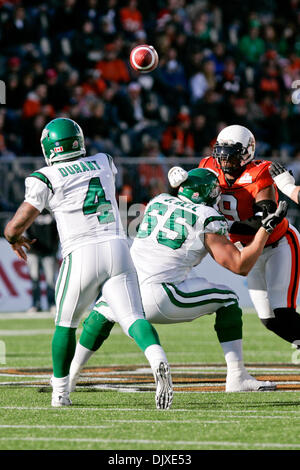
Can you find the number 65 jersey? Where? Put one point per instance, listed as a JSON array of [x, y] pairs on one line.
[[170, 239], [81, 195]]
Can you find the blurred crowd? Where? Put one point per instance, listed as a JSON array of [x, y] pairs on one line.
[[220, 63]]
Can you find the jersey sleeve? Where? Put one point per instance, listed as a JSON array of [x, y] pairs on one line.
[[263, 179], [215, 223], [36, 192], [112, 165]]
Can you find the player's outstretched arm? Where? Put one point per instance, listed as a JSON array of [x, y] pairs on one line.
[[20, 222], [285, 181], [241, 262]]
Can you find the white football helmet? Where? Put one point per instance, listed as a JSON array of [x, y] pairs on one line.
[[234, 148]]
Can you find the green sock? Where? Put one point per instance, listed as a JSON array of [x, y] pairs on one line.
[[96, 328], [144, 334], [229, 324], [63, 349]]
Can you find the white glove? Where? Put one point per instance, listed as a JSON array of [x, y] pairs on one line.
[[284, 180], [176, 176]]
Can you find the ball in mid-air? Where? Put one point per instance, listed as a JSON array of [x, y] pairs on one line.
[[144, 58]]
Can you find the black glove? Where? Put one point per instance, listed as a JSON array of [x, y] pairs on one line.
[[277, 169], [270, 220]]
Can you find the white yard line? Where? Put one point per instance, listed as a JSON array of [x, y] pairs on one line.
[[34, 332], [25, 316], [42, 331], [112, 422], [144, 410], [229, 420], [246, 445], [51, 426]]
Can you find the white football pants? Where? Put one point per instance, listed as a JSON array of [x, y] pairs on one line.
[[87, 272], [273, 281], [175, 303]]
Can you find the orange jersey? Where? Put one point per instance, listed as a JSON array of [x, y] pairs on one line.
[[237, 201]]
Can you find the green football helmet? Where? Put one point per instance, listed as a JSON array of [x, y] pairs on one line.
[[62, 139], [200, 187]]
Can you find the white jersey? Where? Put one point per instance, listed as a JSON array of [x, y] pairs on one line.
[[170, 240], [81, 195]]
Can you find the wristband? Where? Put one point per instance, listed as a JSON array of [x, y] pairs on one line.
[[288, 189]]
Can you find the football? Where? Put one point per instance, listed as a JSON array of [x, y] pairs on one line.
[[144, 58]]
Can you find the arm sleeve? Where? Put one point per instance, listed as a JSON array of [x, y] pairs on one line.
[[36, 193], [216, 224]]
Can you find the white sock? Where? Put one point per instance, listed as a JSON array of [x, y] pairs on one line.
[[81, 356], [233, 353], [75, 368], [155, 355], [60, 384]]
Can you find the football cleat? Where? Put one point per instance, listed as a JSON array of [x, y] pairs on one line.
[[246, 383], [60, 399], [164, 387]]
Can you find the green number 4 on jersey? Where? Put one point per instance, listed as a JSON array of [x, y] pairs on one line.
[[96, 203]]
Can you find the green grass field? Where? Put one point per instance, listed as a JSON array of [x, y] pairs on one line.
[[114, 406]]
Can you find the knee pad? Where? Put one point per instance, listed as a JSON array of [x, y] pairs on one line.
[[229, 324], [96, 329]]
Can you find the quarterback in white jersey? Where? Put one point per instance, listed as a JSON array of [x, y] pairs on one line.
[[80, 192], [75, 191], [174, 236]]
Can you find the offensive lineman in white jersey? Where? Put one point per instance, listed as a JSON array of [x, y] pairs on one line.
[[175, 235], [80, 191]]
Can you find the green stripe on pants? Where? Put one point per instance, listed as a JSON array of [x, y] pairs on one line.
[[214, 290], [199, 302], [61, 303], [59, 279]]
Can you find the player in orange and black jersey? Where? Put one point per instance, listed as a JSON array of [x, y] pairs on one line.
[[248, 191]]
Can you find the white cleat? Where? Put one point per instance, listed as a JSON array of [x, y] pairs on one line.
[[247, 383], [164, 387], [60, 399]]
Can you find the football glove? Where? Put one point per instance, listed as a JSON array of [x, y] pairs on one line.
[[270, 220], [176, 176], [283, 178]]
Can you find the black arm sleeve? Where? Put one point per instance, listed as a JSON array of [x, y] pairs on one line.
[[251, 225], [268, 204], [246, 227]]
